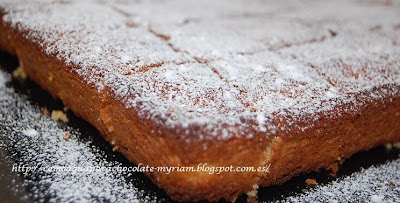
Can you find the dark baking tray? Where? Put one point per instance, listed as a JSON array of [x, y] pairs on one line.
[[12, 189]]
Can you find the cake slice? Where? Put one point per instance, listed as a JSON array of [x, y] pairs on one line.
[[262, 88]]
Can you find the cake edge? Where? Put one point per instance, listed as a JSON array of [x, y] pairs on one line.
[[288, 154]]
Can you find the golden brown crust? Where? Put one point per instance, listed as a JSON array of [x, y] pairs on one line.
[[289, 153]]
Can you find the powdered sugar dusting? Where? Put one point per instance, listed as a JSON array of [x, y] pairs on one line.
[[280, 86], [32, 139], [352, 62], [225, 65], [368, 185], [17, 113], [30, 132]]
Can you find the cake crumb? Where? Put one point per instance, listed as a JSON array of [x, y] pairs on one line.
[[46, 112], [19, 73], [389, 146], [252, 194], [311, 182], [115, 148], [67, 135], [58, 115], [252, 199], [65, 109], [334, 168], [41, 123]]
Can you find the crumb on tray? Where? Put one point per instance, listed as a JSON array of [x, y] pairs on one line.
[[19, 73], [389, 146], [67, 135], [46, 112], [311, 182], [58, 115], [334, 168], [65, 109], [252, 194]]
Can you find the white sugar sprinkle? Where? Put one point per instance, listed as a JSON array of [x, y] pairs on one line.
[[26, 147], [125, 59], [30, 132], [375, 184], [377, 198], [221, 62]]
